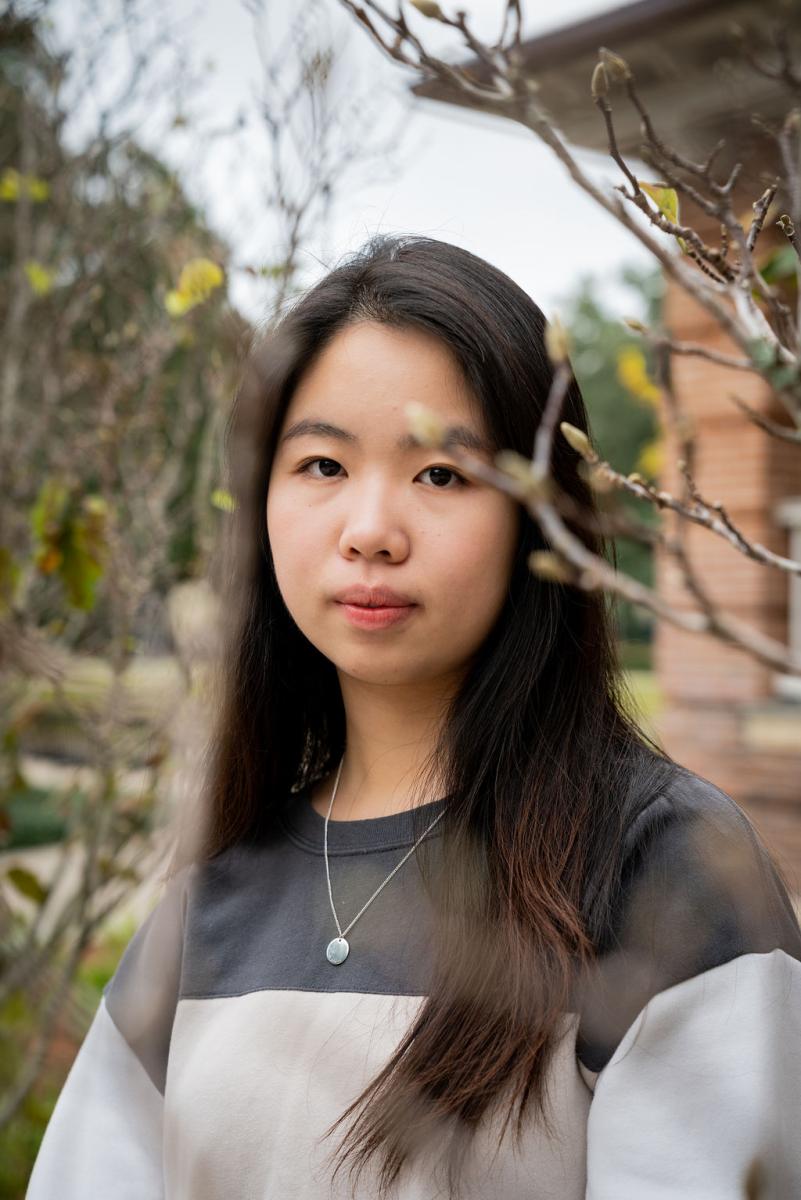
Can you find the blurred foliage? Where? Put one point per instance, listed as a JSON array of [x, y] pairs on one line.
[[615, 377], [119, 359], [120, 353], [20, 1140], [118, 339], [35, 815]]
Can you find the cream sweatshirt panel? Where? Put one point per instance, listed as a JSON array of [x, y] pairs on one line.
[[705, 1085], [103, 1139], [254, 1081]]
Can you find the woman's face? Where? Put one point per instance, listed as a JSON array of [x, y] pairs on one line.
[[352, 506]]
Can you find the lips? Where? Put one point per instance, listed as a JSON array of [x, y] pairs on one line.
[[374, 597], [384, 617]]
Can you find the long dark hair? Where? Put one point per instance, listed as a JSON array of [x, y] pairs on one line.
[[543, 766]]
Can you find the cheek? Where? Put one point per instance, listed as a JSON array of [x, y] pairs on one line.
[[476, 561], [287, 534], [291, 532]]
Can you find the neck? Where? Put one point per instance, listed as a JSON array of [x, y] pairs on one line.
[[391, 734]]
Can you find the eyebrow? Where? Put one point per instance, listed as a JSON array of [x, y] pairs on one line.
[[459, 435]]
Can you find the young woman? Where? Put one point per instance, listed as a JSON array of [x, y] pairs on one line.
[[455, 925]]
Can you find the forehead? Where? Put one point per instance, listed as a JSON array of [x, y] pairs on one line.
[[371, 367]]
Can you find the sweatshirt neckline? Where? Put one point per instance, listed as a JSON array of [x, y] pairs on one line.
[[365, 835]]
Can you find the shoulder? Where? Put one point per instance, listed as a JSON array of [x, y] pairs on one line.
[[697, 889], [695, 867], [142, 995]]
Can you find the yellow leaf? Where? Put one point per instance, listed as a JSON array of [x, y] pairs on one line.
[[632, 372], [9, 184], [177, 303], [13, 185], [667, 201], [198, 279], [651, 459], [200, 276], [38, 190], [220, 498], [665, 198], [40, 279]]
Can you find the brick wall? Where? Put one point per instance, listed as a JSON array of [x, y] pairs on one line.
[[722, 716]]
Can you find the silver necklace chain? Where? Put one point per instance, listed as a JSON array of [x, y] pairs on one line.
[[338, 949]]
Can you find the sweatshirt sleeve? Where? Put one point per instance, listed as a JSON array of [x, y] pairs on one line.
[[691, 1019], [104, 1137]]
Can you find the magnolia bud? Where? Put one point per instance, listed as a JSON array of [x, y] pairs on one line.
[[556, 343], [599, 85], [617, 69], [429, 8], [549, 566], [424, 423], [523, 471], [578, 440]]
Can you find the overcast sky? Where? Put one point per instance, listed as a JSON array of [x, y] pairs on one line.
[[478, 181]]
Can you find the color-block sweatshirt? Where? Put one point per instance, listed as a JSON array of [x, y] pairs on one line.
[[226, 1043]]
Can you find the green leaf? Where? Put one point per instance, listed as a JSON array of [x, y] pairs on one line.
[[762, 353], [780, 264], [784, 377], [46, 512], [9, 577], [85, 553], [70, 531], [27, 884]]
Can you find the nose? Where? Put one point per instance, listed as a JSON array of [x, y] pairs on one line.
[[373, 527]]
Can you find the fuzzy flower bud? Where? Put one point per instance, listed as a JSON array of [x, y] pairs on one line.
[[617, 69], [429, 8], [578, 440], [424, 423], [599, 85], [549, 566], [522, 471], [556, 342]]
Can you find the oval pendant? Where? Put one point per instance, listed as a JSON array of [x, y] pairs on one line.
[[337, 951]]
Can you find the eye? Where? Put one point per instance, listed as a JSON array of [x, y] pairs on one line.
[[304, 468], [459, 480]]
